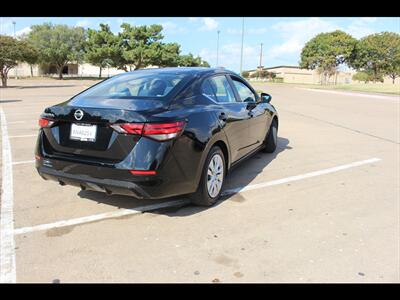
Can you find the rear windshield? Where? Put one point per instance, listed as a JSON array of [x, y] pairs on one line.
[[139, 85]]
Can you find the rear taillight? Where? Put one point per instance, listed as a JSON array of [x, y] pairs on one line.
[[45, 122], [143, 172], [156, 131], [129, 128]]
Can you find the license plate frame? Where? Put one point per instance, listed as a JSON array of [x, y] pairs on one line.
[[83, 132]]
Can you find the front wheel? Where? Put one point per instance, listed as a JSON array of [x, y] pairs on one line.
[[271, 140], [212, 179]]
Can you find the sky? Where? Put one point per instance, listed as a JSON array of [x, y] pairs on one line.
[[282, 37]]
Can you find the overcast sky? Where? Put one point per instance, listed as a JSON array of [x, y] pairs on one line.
[[282, 38]]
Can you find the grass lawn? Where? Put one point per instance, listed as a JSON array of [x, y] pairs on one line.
[[387, 88], [384, 88]]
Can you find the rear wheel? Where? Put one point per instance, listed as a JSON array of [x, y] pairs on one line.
[[212, 179], [271, 139]]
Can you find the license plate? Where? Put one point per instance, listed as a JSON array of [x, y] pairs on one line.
[[83, 132]]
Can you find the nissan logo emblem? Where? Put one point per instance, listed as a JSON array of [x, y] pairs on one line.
[[78, 114]]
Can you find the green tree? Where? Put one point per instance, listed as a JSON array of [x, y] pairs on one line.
[[12, 52], [58, 44], [245, 74], [361, 76], [378, 54], [101, 47], [326, 51], [168, 55], [30, 54], [141, 46], [189, 60], [393, 71]]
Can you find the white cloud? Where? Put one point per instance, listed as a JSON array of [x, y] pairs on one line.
[[361, 27], [208, 24], [83, 23], [296, 34], [171, 27], [193, 19], [255, 31], [233, 31], [229, 56], [369, 19], [260, 30], [23, 31]]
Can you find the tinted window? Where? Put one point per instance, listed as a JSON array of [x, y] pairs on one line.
[[221, 89], [142, 84], [208, 91], [245, 93]]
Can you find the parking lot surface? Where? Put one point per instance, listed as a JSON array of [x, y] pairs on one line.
[[323, 208]]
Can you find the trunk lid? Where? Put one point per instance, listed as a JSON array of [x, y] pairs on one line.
[[108, 146]]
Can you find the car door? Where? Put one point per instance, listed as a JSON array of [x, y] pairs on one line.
[[232, 114], [259, 117]]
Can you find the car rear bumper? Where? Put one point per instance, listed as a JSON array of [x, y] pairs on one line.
[[108, 180], [85, 182]]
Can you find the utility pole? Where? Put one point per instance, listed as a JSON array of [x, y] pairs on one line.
[[217, 46], [261, 56], [241, 50], [15, 70]]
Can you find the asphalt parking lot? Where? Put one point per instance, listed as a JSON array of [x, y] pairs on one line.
[[323, 208]]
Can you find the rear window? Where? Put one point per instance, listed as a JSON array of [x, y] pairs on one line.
[[143, 85]]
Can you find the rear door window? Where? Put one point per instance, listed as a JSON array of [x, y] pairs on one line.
[[218, 89]]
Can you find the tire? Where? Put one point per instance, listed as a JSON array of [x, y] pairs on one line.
[[271, 140], [202, 196]]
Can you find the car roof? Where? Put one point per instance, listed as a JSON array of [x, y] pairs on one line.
[[184, 70]]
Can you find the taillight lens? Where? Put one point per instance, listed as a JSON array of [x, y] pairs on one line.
[[129, 128], [156, 131], [45, 122], [143, 172]]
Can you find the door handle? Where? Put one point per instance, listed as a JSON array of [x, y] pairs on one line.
[[222, 117]]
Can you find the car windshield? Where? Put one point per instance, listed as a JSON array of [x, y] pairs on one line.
[[136, 85]]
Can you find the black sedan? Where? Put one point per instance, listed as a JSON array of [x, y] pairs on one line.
[[156, 133]]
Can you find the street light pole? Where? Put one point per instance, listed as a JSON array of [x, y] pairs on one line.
[[241, 50], [15, 70], [217, 46], [261, 56]]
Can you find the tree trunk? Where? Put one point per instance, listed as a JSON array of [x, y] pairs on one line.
[[3, 81], [31, 71], [100, 72], [60, 70]]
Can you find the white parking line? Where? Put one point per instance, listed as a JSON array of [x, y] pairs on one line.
[[141, 209], [23, 162], [7, 244], [16, 122], [299, 177], [22, 136], [25, 113], [353, 94], [103, 216]]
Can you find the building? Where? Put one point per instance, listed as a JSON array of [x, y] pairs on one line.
[[294, 74], [70, 70]]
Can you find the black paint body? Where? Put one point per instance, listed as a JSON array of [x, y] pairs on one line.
[[239, 128]]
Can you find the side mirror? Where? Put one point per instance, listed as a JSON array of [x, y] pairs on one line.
[[266, 98]]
